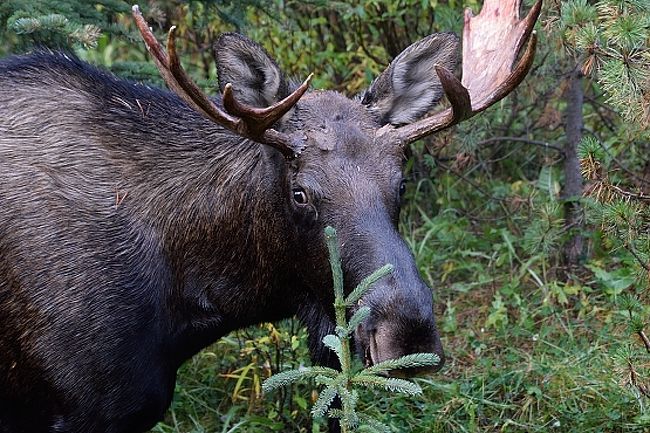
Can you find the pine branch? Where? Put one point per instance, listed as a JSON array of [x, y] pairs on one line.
[[392, 384], [375, 425], [359, 316], [335, 260], [288, 377], [414, 360], [324, 401], [335, 344], [644, 339], [366, 283]]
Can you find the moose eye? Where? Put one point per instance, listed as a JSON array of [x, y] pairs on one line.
[[299, 196], [402, 187]]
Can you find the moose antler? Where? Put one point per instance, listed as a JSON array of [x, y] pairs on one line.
[[249, 122], [491, 42]]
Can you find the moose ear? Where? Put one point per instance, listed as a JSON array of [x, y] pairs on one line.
[[410, 87], [255, 77]]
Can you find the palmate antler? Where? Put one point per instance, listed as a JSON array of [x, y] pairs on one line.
[[249, 122], [491, 42]]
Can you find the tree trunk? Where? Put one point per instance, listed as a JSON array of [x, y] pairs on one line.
[[572, 191]]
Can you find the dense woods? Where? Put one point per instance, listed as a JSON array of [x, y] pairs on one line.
[[531, 221]]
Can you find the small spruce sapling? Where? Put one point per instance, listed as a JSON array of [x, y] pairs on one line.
[[345, 382]]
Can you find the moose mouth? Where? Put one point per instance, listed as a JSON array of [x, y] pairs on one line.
[[380, 344], [370, 345], [371, 357], [370, 354]]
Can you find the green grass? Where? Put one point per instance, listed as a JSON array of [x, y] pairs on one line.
[[562, 378]]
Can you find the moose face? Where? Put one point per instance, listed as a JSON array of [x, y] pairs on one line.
[[350, 178]]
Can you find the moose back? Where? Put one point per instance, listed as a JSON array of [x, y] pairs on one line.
[[139, 225]]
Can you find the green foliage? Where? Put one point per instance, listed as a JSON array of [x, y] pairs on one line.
[[345, 383], [366, 283], [60, 24], [610, 37]]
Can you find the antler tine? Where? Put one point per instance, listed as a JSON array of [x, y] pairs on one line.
[[513, 80], [461, 104], [515, 34], [175, 77], [253, 127], [497, 29], [264, 117]]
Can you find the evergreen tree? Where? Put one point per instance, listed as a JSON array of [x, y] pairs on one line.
[[61, 24], [611, 40]]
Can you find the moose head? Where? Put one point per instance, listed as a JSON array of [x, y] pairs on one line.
[[339, 161]]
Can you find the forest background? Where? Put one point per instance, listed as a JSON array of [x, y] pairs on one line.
[[531, 220]]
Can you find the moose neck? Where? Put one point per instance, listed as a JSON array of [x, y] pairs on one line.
[[216, 203]]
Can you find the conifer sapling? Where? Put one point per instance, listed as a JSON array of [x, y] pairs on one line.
[[345, 382]]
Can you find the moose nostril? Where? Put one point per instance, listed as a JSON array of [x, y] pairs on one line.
[[367, 357]]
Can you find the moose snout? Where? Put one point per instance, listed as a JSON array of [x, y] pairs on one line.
[[401, 320], [400, 329], [390, 341]]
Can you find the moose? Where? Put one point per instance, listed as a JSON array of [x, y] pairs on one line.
[[139, 225]]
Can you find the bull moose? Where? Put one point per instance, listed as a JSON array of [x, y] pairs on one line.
[[139, 225]]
